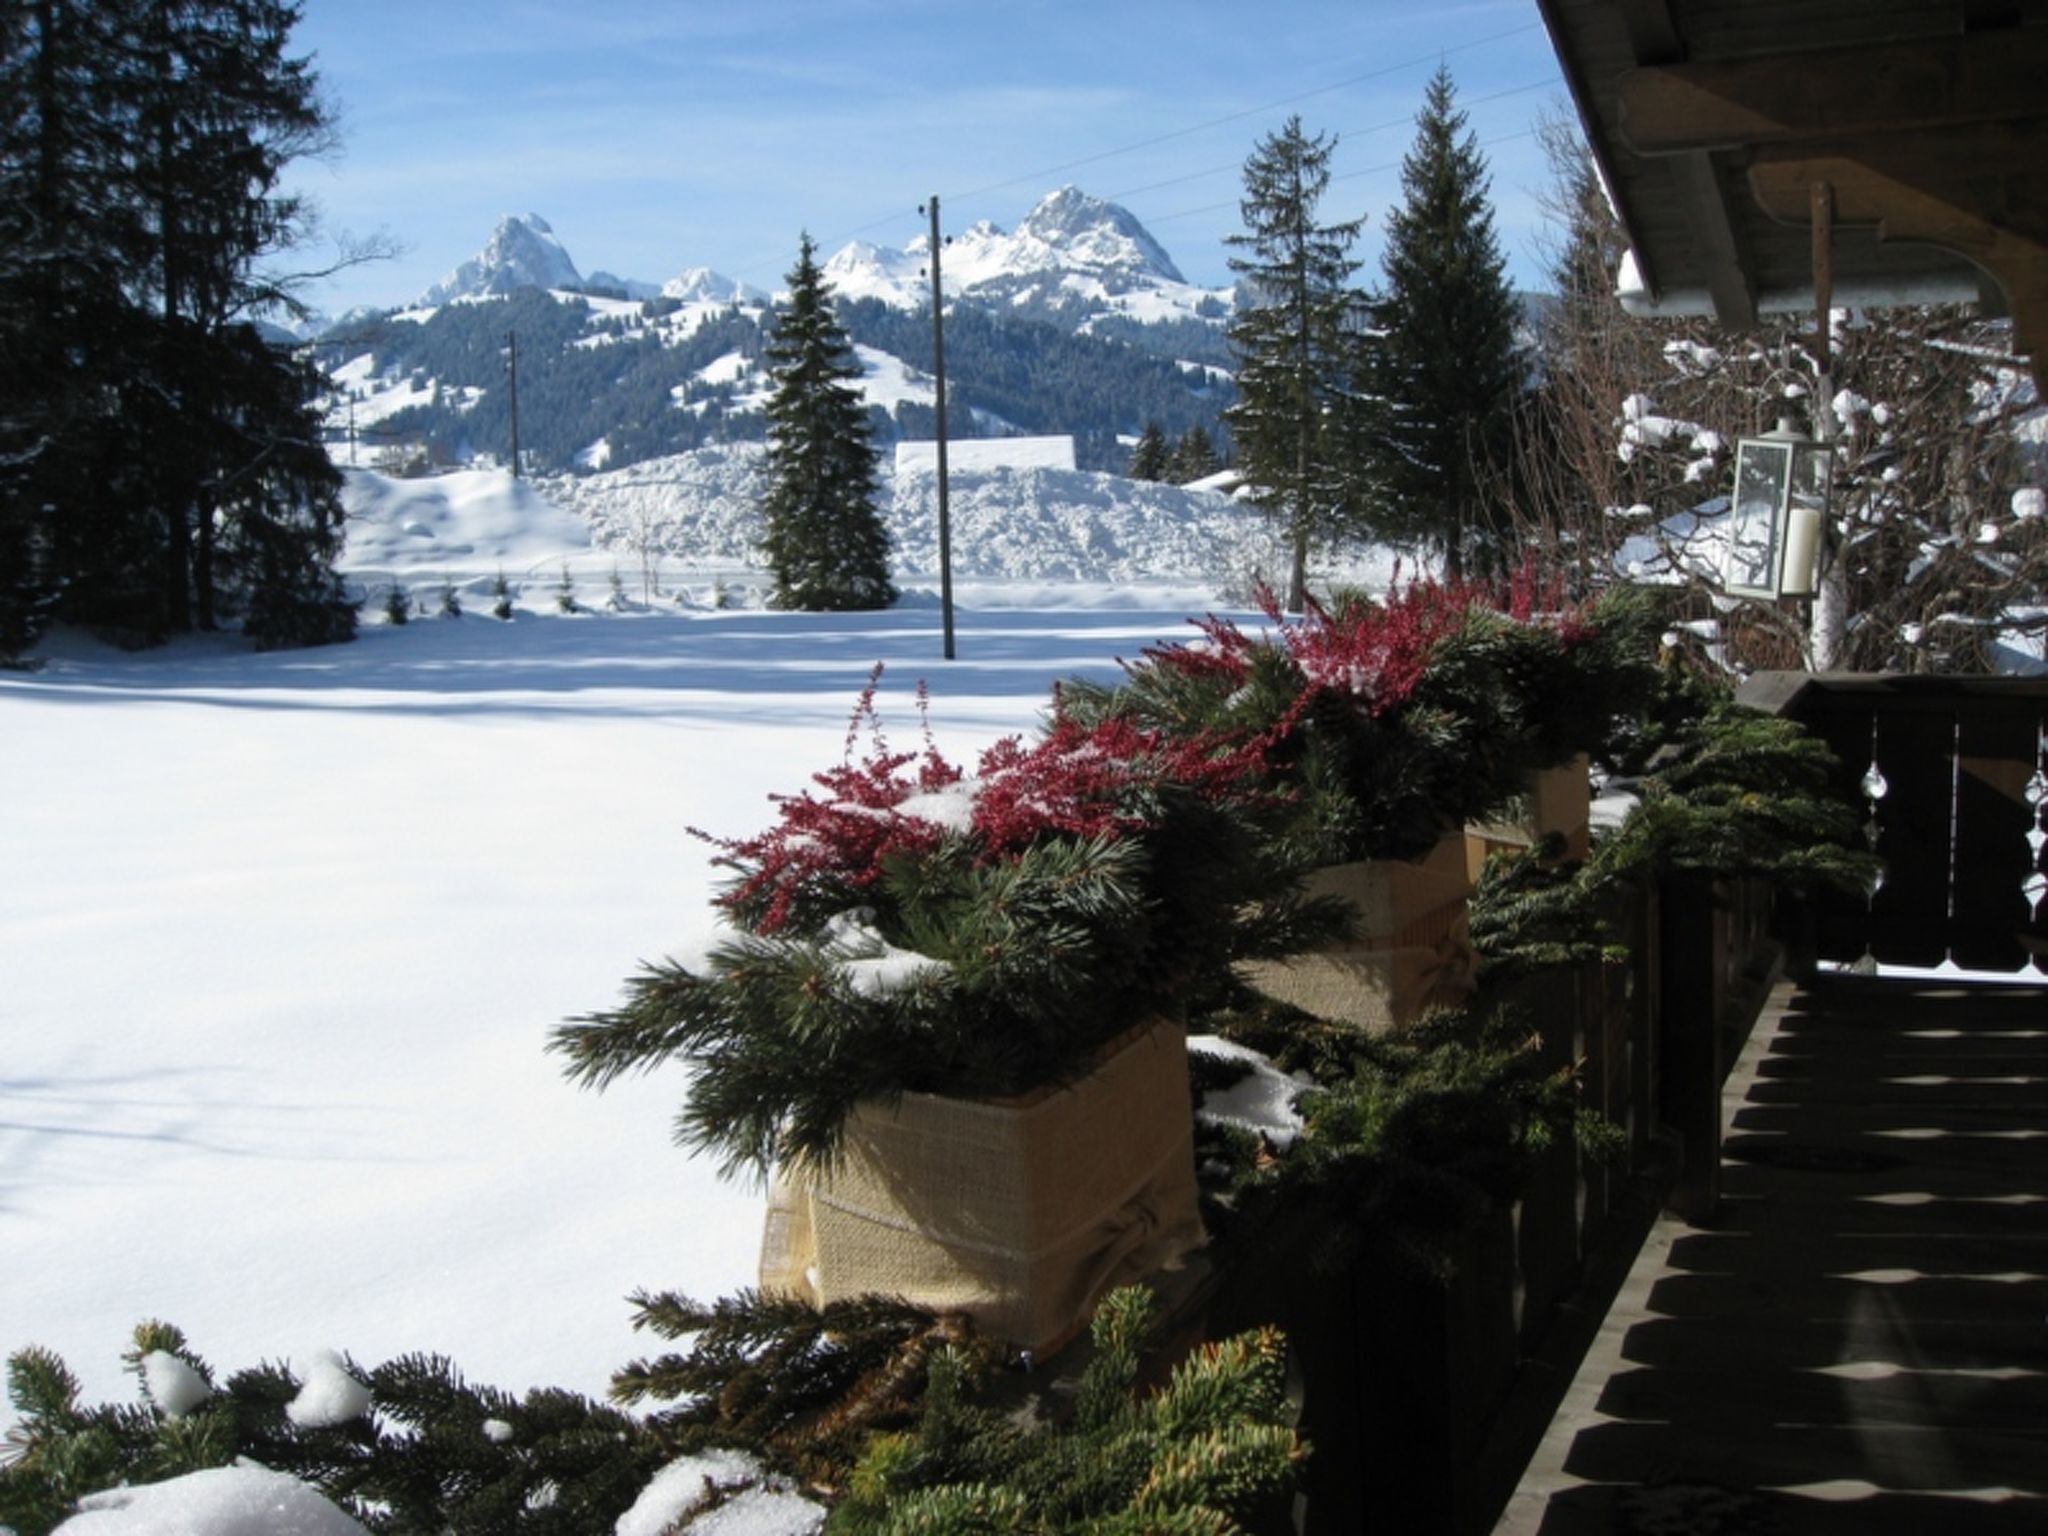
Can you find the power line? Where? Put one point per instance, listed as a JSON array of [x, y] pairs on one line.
[[1342, 134], [1371, 170], [894, 219], [1236, 117]]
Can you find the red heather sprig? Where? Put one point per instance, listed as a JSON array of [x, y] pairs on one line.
[[1226, 656], [1094, 781], [1098, 780], [1376, 652], [843, 838]]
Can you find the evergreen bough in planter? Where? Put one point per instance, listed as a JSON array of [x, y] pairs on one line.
[[1734, 793], [909, 928], [1394, 722]]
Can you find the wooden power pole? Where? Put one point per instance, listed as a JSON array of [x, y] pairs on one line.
[[939, 373], [512, 367]]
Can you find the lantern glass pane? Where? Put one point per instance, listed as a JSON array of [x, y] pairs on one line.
[[1810, 472], [1761, 472]]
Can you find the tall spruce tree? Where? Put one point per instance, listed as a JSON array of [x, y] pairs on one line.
[[169, 468], [825, 542], [1445, 364], [68, 239], [1295, 341]]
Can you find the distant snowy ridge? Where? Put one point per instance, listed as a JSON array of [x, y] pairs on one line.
[[701, 285], [1071, 252]]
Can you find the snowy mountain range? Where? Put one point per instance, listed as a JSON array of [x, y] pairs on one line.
[[1074, 257], [1076, 323]]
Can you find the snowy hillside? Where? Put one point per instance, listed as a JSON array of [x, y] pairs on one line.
[[473, 521], [1021, 534]]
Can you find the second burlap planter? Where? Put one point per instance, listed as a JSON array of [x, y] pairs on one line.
[[1413, 949], [1020, 1212], [1559, 800]]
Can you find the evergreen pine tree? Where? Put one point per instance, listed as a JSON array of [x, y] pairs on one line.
[[1194, 457], [825, 542], [1445, 364], [170, 461], [1149, 460], [1294, 339]]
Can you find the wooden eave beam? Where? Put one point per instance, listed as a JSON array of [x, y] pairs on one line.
[[1716, 244], [1981, 192], [1786, 98], [1563, 39]]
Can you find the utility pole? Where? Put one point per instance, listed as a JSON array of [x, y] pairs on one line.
[[512, 366], [939, 372]]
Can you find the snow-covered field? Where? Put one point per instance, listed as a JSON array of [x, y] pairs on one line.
[[282, 937]]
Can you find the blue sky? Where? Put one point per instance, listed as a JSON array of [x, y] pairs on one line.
[[658, 136]]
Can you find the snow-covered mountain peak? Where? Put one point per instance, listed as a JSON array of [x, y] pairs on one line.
[[696, 285], [521, 253], [863, 270], [1077, 230], [1073, 255]]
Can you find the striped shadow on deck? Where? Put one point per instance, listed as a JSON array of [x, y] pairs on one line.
[[1859, 1341]]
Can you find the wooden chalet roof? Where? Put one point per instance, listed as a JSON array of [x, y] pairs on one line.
[[1914, 133]]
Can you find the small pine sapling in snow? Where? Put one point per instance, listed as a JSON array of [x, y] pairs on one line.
[[721, 594], [397, 603], [617, 601], [565, 591], [451, 601], [501, 597]]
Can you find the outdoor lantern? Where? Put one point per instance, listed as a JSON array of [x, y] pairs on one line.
[[1781, 500]]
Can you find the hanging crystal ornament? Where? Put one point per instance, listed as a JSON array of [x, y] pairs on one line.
[[1874, 790], [2035, 886]]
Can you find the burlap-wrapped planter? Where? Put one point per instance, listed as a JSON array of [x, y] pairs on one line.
[[1413, 950], [1021, 1212], [1559, 800]]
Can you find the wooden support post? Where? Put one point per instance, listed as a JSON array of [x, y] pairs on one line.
[[1823, 285], [1691, 1045]]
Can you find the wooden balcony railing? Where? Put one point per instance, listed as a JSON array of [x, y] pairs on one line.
[[1952, 773]]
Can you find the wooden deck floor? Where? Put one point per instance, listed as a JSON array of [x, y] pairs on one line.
[[1859, 1342]]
